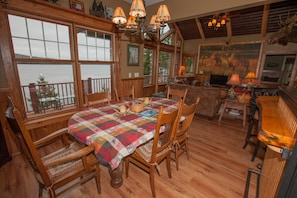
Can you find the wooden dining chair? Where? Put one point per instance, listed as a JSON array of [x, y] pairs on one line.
[[125, 94], [176, 94], [180, 142], [60, 170], [98, 98], [148, 156]]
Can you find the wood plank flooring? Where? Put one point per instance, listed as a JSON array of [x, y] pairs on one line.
[[217, 168]]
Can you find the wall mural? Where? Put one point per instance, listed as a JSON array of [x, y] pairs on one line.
[[229, 59]]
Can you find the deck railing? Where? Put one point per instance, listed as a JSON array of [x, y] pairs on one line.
[[40, 97]]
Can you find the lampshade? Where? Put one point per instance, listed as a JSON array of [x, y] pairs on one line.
[[131, 23], [154, 24], [163, 14], [119, 16], [234, 80], [250, 75], [181, 70], [137, 9], [137, 17]]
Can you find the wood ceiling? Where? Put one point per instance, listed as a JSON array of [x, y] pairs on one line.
[[254, 20]]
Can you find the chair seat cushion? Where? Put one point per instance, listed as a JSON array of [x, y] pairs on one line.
[[57, 170], [145, 151]]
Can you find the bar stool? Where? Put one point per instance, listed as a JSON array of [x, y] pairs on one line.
[[253, 124], [254, 118]]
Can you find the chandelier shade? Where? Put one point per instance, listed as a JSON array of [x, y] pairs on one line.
[[137, 9], [163, 14], [137, 16], [119, 16], [131, 23]]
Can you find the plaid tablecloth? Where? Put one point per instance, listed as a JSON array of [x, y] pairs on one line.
[[115, 135]]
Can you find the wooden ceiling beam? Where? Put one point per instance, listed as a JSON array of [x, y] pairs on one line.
[[178, 31], [228, 27], [265, 20], [198, 23]]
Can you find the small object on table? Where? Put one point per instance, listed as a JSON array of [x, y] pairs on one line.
[[149, 113], [147, 100], [123, 109], [137, 107]]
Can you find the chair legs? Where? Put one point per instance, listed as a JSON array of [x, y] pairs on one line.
[[250, 134], [150, 170], [152, 180], [253, 123], [180, 149], [176, 155], [127, 167], [168, 163]]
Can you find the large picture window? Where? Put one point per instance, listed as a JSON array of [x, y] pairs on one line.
[[48, 84]]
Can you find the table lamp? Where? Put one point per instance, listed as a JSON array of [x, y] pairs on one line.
[[250, 76], [181, 70], [234, 81]]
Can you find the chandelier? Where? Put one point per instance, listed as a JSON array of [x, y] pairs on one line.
[[136, 19], [217, 21]]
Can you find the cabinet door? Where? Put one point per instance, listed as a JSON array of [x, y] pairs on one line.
[[279, 69], [4, 154]]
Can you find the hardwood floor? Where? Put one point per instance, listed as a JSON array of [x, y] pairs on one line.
[[217, 168]]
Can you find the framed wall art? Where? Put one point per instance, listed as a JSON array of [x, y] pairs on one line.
[[133, 55], [239, 58], [77, 5]]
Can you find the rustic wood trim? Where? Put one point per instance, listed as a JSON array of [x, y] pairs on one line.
[[265, 19], [52, 11], [229, 27], [198, 23]]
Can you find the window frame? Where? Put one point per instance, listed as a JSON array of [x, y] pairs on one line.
[[73, 60]]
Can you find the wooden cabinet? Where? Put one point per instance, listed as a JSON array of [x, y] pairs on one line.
[[279, 69], [4, 154]]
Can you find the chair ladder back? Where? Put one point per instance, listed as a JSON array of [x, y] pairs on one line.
[[188, 113], [125, 94], [25, 142], [176, 94], [98, 98], [167, 123]]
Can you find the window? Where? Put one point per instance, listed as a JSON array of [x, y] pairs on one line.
[[168, 40], [148, 66], [39, 39], [48, 83], [94, 47], [164, 66], [189, 62]]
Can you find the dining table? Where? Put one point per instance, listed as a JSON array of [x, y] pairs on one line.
[[115, 134]]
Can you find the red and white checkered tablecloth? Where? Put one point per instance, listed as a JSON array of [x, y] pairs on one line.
[[115, 135]]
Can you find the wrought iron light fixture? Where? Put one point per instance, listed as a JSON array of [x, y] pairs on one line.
[[217, 21], [137, 16]]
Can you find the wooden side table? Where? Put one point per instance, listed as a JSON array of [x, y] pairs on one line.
[[234, 104]]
